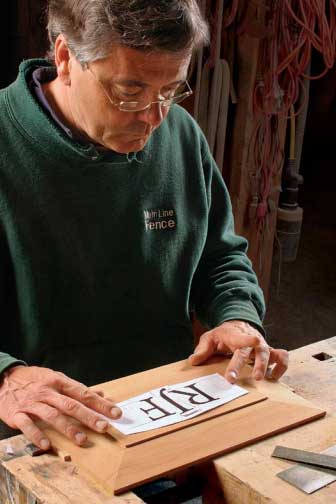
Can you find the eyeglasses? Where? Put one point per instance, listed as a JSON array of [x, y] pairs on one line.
[[139, 106]]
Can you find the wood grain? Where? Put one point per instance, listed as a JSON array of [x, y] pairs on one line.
[[245, 476], [48, 480], [118, 467], [249, 475], [142, 437], [207, 440], [308, 376], [170, 374], [181, 371], [248, 51]]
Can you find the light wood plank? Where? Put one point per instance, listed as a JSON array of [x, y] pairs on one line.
[[204, 441], [142, 437]]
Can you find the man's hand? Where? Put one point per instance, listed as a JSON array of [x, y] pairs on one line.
[[28, 394], [244, 342]]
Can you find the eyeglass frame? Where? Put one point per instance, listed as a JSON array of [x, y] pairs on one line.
[[165, 102]]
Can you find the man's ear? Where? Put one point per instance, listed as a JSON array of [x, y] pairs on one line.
[[62, 60]]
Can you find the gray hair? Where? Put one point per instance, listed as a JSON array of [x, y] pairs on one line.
[[91, 27]]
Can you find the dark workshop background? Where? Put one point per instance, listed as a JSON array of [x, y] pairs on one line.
[[301, 294]]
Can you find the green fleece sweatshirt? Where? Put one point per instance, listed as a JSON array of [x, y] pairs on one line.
[[103, 255]]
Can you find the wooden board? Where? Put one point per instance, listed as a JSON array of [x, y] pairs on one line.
[[142, 437], [171, 374], [121, 467], [181, 371], [204, 441]]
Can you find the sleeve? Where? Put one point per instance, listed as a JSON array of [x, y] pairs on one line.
[[225, 286], [6, 360]]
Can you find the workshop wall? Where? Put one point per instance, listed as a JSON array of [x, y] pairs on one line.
[[302, 300], [23, 34]]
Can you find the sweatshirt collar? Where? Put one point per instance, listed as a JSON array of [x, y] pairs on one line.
[[40, 127]]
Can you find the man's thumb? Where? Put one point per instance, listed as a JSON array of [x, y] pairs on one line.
[[202, 352]]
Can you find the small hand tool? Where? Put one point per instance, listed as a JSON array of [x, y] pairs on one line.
[[305, 457]]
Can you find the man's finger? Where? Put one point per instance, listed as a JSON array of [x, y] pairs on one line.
[[88, 397], [205, 349], [24, 423], [100, 393], [261, 361], [236, 340], [239, 359], [74, 409], [59, 422], [280, 358]]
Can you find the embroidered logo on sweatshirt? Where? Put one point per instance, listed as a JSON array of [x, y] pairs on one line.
[[159, 219]]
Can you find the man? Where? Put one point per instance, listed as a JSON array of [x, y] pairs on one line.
[[115, 221]]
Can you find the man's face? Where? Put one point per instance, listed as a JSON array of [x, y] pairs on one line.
[[126, 75]]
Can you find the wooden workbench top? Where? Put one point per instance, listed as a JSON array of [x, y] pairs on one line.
[[248, 476], [312, 373], [48, 480]]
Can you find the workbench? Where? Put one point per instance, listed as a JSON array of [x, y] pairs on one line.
[[246, 476]]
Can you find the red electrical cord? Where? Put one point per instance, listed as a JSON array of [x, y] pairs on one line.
[[298, 28], [233, 13]]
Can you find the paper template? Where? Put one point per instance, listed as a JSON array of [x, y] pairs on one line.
[[175, 403]]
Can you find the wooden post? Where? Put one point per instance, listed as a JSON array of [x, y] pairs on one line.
[[248, 46]]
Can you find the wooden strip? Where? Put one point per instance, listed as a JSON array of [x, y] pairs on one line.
[[207, 440], [141, 437]]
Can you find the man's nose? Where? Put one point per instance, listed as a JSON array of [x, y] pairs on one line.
[[153, 115]]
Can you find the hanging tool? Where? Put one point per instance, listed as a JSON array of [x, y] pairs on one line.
[[290, 215], [212, 102], [223, 114], [216, 83]]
